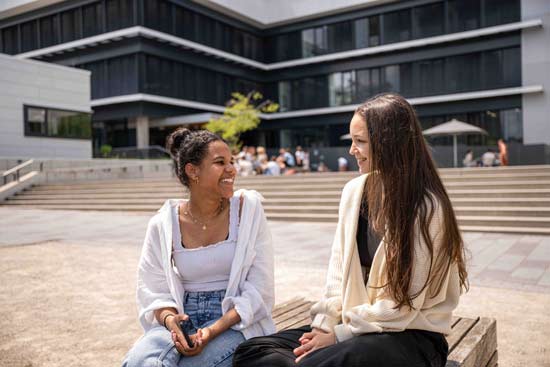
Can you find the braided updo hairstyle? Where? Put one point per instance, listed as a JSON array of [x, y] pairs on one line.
[[188, 146]]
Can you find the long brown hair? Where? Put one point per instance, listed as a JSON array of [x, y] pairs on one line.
[[403, 194]]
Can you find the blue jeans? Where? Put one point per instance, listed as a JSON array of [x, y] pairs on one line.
[[156, 349]]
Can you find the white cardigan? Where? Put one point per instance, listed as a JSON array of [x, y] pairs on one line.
[[349, 308], [251, 282]]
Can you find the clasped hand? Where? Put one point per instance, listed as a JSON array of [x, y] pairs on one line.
[[200, 339], [316, 339]]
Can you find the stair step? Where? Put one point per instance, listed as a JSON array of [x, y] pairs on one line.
[[506, 229], [301, 209], [502, 211], [471, 220], [487, 193]]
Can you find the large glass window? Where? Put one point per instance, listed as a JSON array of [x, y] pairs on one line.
[[374, 30], [49, 122], [501, 11], [463, 72], [284, 96], [428, 77], [70, 25], [463, 15], [120, 14], [308, 42], [92, 19], [391, 79], [511, 125], [428, 20], [453, 74], [367, 83], [36, 121], [9, 40], [361, 32], [340, 37], [511, 66], [48, 31], [29, 36], [397, 26], [314, 41], [342, 88]]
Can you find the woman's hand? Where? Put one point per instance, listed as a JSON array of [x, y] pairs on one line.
[[316, 339], [200, 340], [172, 324]]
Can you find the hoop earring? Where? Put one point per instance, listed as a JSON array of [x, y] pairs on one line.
[[196, 180]]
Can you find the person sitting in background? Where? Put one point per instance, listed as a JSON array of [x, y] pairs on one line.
[[261, 160], [342, 164], [468, 160], [305, 166], [489, 158], [272, 167], [287, 157], [323, 167], [246, 167], [300, 156]]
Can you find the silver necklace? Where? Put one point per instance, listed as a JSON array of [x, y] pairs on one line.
[[205, 223]]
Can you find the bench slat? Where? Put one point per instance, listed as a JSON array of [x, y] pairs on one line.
[[459, 331], [477, 347], [287, 306], [455, 321], [300, 322], [286, 324], [292, 313], [493, 362]]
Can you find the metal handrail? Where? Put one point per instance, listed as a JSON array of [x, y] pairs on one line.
[[15, 171]]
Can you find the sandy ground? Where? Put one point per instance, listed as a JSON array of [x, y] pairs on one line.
[[73, 305]]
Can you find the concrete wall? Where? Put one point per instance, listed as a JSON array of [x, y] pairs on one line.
[[535, 61], [46, 85]]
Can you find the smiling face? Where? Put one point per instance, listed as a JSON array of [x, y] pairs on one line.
[[216, 173], [359, 142]]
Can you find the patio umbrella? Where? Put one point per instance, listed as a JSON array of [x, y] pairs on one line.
[[454, 128]]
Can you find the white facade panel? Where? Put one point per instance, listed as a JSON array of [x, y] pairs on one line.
[[535, 64], [34, 83]]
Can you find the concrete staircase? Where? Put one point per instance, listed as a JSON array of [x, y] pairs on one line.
[[510, 199]]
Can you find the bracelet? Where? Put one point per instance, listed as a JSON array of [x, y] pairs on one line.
[[164, 319]]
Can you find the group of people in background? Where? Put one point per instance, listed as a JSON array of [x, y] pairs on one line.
[[488, 159], [255, 161]]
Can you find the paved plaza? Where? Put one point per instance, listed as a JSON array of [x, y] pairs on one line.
[[67, 281]]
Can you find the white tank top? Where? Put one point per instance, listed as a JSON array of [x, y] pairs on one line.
[[206, 268]]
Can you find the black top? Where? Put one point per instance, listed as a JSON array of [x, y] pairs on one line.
[[367, 240]]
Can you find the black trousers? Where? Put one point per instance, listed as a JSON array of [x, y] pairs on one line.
[[410, 348]]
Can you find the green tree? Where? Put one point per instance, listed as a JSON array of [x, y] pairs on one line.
[[242, 113]]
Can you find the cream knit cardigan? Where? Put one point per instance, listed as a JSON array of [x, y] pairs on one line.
[[349, 308], [251, 289]]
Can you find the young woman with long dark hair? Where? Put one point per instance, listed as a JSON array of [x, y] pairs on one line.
[[397, 266]]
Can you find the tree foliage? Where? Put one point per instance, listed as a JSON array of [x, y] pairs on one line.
[[242, 113]]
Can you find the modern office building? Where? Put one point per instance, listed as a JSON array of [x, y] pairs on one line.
[[44, 110], [157, 64]]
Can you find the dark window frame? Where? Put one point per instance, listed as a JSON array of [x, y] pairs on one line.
[[26, 121]]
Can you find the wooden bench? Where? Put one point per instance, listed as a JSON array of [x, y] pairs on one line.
[[472, 342]]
